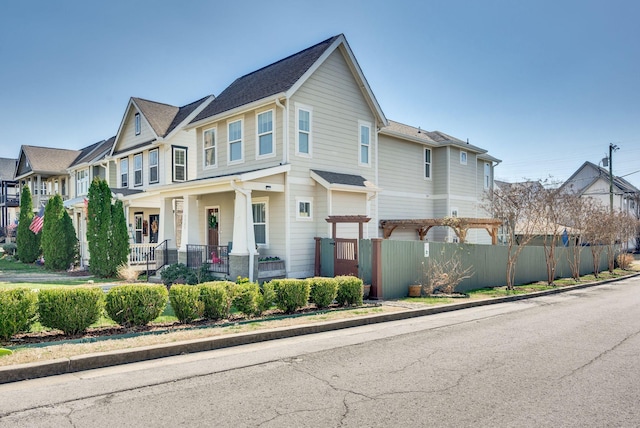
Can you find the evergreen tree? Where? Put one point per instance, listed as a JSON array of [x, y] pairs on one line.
[[28, 243], [119, 237], [99, 227], [58, 242]]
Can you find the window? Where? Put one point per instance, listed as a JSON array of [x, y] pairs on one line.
[[235, 141], [153, 166], [427, 163], [303, 132], [365, 142], [265, 133], [137, 169], [82, 182], [209, 136], [179, 164], [138, 229], [304, 208], [463, 157], [259, 209], [487, 175], [137, 120], [124, 172]]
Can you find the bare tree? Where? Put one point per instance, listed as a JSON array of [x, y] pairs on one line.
[[553, 206], [518, 206], [596, 233], [577, 212]]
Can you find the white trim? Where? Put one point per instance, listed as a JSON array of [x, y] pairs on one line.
[[272, 132], [425, 162], [265, 201], [486, 178], [463, 157], [137, 124], [126, 158], [214, 148], [363, 124], [174, 149], [308, 109], [141, 169], [240, 141], [304, 200], [157, 166]]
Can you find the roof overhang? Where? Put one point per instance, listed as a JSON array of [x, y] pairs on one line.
[[234, 111], [368, 187]]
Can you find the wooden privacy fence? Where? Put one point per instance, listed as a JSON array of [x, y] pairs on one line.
[[390, 266]]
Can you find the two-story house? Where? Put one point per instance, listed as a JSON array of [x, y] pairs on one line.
[[285, 147]]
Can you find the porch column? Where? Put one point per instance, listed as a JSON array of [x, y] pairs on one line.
[[242, 259], [167, 229], [39, 197], [190, 226]]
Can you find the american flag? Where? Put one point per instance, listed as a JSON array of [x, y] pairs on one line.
[[37, 222]]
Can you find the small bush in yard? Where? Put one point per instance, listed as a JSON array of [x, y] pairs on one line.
[[245, 298], [10, 248], [136, 305], [18, 308], [216, 297], [71, 310], [266, 298], [323, 291], [625, 260], [349, 290], [178, 273], [185, 301], [291, 294]]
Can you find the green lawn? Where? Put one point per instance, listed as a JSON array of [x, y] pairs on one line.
[[8, 264]]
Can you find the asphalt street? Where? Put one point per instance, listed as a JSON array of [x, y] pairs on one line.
[[569, 359]]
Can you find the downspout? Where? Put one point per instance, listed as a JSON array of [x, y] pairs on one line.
[[285, 160], [251, 246]]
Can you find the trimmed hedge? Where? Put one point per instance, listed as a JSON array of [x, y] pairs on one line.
[[245, 298], [136, 304], [18, 308], [216, 297], [291, 294], [185, 301], [323, 291], [71, 310], [266, 298], [349, 290]]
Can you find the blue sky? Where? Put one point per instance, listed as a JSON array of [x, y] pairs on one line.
[[543, 85]]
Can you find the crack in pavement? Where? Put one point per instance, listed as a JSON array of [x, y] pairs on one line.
[[600, 355]]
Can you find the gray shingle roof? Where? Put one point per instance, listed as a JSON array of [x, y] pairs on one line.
[[94, 152], [270, 80], [429, 137], [164, 118], [7, 169], [48, 160], [339, 178]]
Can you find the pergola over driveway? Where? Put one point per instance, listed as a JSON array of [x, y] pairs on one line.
[[460, 225]]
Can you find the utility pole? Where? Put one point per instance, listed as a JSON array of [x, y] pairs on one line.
[[612, 148]]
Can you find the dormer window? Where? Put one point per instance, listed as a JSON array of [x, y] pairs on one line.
[[137, 120]]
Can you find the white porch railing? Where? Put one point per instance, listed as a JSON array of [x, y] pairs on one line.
[[140, 253]]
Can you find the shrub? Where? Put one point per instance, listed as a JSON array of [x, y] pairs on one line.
[[245, 298], [266, 298], [349, 290], [625, 260], [136, 304], [323, 291], [127, 273], [10, 248], [216, 297], [17, 311], [178, 273], [185, 301], [291, 294], [71, 310]]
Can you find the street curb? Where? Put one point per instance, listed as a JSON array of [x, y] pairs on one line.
[[112, 358]]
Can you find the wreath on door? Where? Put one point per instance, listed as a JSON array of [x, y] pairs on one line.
[[213, 221], [154, 226]]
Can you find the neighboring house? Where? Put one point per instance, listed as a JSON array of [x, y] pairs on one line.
[[591, 180], [427, 175], [89, 164], [44, 170], [9, 195], [284, 147]]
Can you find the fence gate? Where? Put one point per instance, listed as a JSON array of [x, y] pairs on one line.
[[345, 257]]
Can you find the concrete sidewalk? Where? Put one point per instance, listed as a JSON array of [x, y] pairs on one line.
[[98, 360]]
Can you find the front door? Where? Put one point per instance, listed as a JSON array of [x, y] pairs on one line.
[[345, 261], [213, 226], [154, 226]]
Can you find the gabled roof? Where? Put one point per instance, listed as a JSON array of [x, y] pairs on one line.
[[7, 169], [598, 172], [284, 77], [162, 118], [44, 160], [432, 138], [94, 152], [341, 181]]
